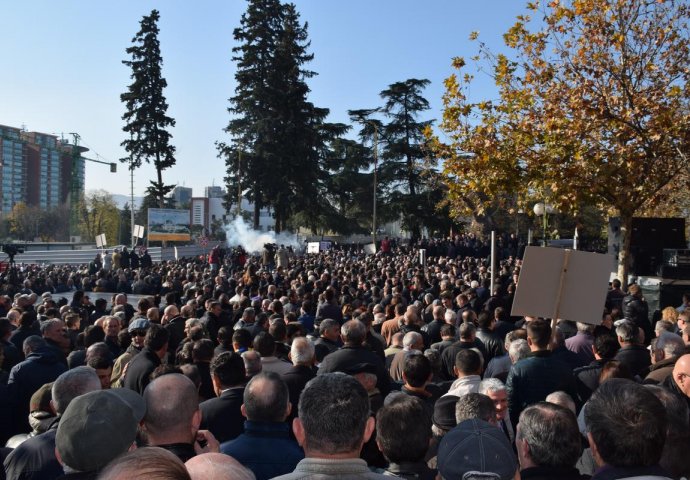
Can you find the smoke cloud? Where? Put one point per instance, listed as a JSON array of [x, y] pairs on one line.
[[240, 233]]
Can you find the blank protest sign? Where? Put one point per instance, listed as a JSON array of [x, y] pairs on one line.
[[566, 284]]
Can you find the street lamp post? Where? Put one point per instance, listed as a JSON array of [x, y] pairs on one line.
[[543, 210]]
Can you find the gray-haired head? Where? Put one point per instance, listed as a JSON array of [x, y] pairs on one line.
[[669, 343], [518, 350], [71, 384], [302, 351], [412, 340], [353, 332], [327, 324], [489, 385], [562, 399]]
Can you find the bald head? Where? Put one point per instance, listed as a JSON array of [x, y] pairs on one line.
[[217, 466], [171, 311], [152, 463], [172, 409], [681, 374]]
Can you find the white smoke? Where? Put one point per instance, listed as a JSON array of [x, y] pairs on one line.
[[240, 233]]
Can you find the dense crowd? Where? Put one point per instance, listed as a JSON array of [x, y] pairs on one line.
[[333, 365]]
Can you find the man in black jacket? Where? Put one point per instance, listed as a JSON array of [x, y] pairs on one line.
[[353, 353], [145, 362], [636, 310], [329, 308], [174, 324], [604, 348], [329, 338], [222, 415], [211, 319], [485, 334], [531, 379], [632, 354], [467, 332], [302, 358], [35, 457], [42, 365], [433, 328]]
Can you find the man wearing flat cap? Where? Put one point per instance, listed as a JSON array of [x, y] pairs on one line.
[[96, 428]]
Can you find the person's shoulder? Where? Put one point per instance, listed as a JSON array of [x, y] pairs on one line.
[[585, 369]]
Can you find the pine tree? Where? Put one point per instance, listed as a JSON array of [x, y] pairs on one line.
[[252, 125], [146, 119], [407, 189], [402, 167], [281, 134]]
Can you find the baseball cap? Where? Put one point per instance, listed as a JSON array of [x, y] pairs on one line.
[[139, 323], [97, 427], [476, 446]]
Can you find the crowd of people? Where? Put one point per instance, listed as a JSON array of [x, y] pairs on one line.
[[333, 365]]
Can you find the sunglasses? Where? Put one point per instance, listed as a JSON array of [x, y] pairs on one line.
[[139, 333]]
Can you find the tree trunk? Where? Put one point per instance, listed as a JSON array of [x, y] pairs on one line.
[[161, 200], [624, 252], [257, 207]]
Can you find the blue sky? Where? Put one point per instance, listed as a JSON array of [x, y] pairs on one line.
[[63, 72]]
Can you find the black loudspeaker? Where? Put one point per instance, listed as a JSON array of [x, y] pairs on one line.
[[650, 236], [671, 294], [667, 294]]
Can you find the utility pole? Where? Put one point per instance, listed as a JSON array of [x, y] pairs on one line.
[[131, 210], [376, 150], [75, 187]]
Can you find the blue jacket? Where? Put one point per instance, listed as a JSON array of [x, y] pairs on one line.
[[265, 448]]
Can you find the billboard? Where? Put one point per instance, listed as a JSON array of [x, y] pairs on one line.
[[169, 225]]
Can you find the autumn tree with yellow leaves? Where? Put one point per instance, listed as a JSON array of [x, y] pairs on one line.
[[592, 109]]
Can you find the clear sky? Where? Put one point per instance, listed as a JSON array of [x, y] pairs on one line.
[[62, 69]]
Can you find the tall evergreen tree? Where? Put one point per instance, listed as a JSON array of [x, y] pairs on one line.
[[252, 124], [403, 156], [282, 135], [406, 186], [146, 118]]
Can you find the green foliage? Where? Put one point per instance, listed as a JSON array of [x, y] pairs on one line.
[[27, 222], [280, 139], [98, 213], [408, 186], [146, 107]]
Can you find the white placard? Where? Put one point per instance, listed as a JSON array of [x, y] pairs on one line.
[[564, 284], [100, 240], [313, 247], [370, 249]]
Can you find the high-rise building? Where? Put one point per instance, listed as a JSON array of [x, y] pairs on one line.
[[214, 191], [38, 169], [181, 196], [13, 157]]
